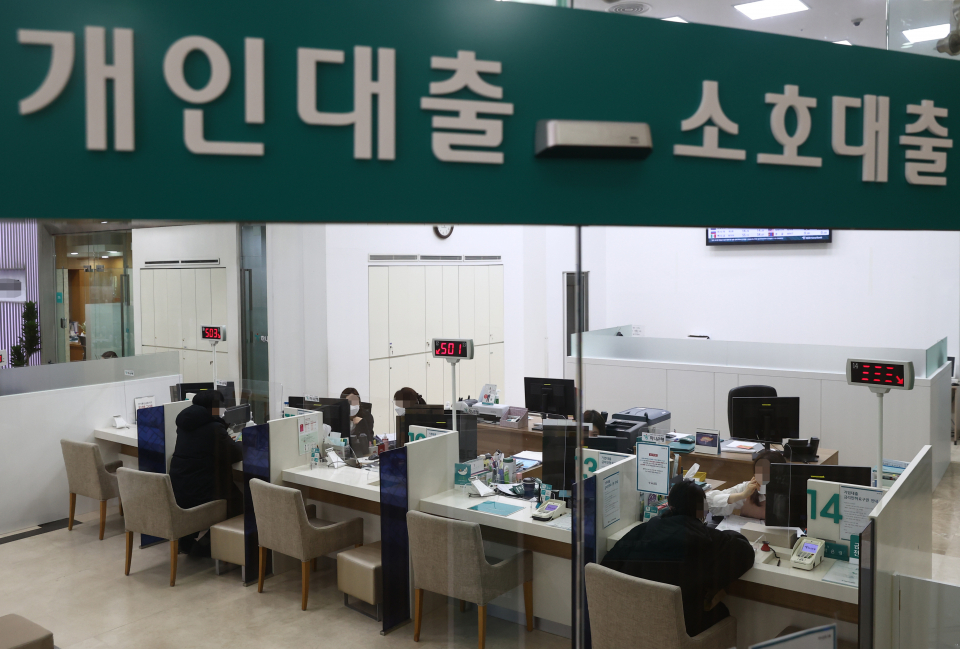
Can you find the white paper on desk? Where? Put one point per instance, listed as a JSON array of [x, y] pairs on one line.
[[843, 573], [821, 637], [741, 447], [734, 523], [564, 522], [530, 455], [611, 499]]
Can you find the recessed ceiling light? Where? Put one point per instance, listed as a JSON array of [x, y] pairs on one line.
[[842, 43], [102, 221], [74, 253], [113, 252], [675, 19], [770, 8], [931, 33], [105, 257]]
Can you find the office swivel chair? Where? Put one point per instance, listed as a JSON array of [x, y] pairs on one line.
[[736, 427]]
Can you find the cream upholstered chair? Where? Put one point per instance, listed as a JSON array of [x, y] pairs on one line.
[[448, 559], [283, 526], [152, 509], [88, 476], [614, 600]]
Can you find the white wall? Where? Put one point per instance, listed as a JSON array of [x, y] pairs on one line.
[[33, 480], [867, 288], [209, 241]]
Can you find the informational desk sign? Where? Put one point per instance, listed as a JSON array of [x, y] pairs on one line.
[[823, 637], [249, 113], [653, 468], [837, 511], [611, 499], [309, 433]]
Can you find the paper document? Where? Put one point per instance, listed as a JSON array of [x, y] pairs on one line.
[[843, 573], [734, 523], [564, 522], [822, 637], [741, 447], [611, 499], [856, 503], [530, 455]]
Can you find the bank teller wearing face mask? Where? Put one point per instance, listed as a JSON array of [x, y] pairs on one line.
[[361, 419], [749, 497]]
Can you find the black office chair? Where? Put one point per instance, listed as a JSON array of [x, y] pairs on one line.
[[736, 427]]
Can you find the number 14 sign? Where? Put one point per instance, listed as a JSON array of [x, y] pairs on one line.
[[837, 511]]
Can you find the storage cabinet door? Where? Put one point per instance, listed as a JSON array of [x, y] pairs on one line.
[[481, 367], [147, 308], [468, 325], [378, 300], [435, 385], [496, 304], [481, 302], [407, 310], [380, 398], [451, 302], [188, 307], [218, 303], [204, 299], [497, 371], [433, 280]]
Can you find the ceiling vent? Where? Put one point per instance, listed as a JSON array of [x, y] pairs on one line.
[[392, 258], [630, 8], [204, 262], [178, 262], [173, 262], [482, 258], [441, 258]]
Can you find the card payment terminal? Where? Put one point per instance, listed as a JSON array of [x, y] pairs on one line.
[[550, 510], [807, 553]]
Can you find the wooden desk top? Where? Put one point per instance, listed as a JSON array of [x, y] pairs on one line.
[[531, 420], [825, 456]]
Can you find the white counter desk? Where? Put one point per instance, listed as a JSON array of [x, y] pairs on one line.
[[127, 439], [356, 489]]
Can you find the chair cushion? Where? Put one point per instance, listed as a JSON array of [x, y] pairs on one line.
[[226, 541], [20, 633], [359, 573]]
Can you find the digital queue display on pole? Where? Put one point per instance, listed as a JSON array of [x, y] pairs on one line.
[[884, 374], [455, 348], [212, 333]]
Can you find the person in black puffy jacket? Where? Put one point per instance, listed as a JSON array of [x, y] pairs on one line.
[[201, 468], [677, 548]]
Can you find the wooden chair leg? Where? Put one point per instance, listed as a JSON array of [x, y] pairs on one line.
[[417, 613], [305, 584], [313, 564], [73, 508], [120, 503], [463, 606], [174, 551], [103, 517], [482, 625], [528, 603], [263, 568], [126, 569]]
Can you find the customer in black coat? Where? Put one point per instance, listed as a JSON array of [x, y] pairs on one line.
[[201, 468], [677, 548]]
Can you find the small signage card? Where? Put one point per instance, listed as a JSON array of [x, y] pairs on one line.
[[708, 441]]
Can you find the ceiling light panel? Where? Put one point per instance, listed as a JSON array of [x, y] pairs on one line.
[[770, 8], [842, 43], [931, 33], [675, 19]]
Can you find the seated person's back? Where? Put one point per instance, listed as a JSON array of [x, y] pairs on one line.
[[678, 548]]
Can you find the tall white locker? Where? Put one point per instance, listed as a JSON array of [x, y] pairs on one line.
[[147, 318], [496, 304], [433, 280], [218, 302], [467, 379], [378, 302], [496, 369], [161, 311], [188, 302], [435, 385], [481, 305], [481, 367], [451, 302], [407, 310], [380, 398], [175, 306], [467, 306], [204, 298]]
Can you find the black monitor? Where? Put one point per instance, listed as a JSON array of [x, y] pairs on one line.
[[237, 415], [765, 419], [229, 396], [336, 412], [559, 455], [550, 396], [466, 428], [786, 504], [610, 443]]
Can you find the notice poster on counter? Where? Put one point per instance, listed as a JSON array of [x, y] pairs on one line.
[[653, 468], [609, 459], [611, 499], [856, 503], [309, 433]]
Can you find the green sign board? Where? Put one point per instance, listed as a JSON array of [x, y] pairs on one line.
[[427, 111]]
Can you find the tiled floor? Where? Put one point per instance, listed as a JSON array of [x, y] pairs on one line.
[[73, 584]]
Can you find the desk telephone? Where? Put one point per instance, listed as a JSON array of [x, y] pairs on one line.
[[549, 510], [807, 553]]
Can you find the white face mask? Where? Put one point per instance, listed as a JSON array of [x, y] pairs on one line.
[[762, 490], [400, 410], [354, 410]]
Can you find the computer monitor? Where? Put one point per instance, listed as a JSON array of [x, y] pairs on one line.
[[466, 427], [229, 396], [765, 419], [559, 455], [786, 504], [610, 443], [550, 396], [237, 415]]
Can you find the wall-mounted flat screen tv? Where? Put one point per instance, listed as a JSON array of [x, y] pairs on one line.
[[745, 236]]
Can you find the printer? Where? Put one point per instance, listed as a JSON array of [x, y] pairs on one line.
[[648, 418]]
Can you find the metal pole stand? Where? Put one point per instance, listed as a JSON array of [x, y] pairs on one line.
[[213, 347], [453, 385], [879, 392]]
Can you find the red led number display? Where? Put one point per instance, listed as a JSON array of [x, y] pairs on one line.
[[452, 348], [877, 373], [211, 333]]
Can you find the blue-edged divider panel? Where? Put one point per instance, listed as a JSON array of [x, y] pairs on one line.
[[395, 544], [589, 552], [256, 464], [151, 450]]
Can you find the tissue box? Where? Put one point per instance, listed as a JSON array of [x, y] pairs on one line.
[[514, 412]]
